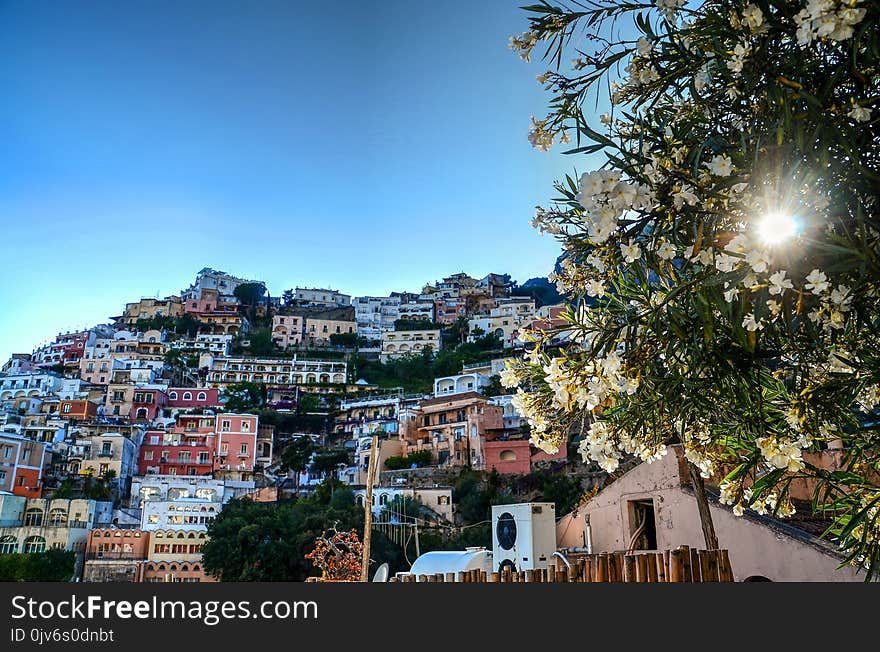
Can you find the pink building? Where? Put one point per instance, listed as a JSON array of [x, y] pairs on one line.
[[516, 456], [235, 443], [146, 404], [186, 398]]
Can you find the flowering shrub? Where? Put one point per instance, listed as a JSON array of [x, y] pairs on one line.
[[338, 555], [729, 242]]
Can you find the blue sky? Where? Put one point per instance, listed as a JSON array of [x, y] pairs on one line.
[[366, 146]]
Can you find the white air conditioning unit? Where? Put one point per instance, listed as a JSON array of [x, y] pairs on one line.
[[523, 536]]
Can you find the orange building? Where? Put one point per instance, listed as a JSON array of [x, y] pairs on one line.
[[78, 409]]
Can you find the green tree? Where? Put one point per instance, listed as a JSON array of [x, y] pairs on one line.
[[54, 565], [728, 242], [245, 397], [494, 388]]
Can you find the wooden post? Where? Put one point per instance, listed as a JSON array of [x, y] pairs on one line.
[[629, 568], [368, 508], [588, 570], [711, 569], [450, 577], [494, 578], [602, 568], [696, 568], [642, 568], [687, 575], [651, 566], [462, 577], [725, 565], [530, 576], [676, 566]]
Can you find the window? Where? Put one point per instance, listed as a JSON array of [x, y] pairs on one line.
[[202, 396], [245, 426], [57, 517], [2, 476], [243, 450], [172, 396], [187, 396], [8, 545], [204, 458], [148, 456], [224, 425], [34, 544], [65, 409], [33, 516]]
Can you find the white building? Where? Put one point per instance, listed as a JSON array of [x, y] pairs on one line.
[[204, 343], [396, 344], [180, 514], [30, 384], [273, 371], [417, 310], [464, 382], [376, 315], [321, 297], [212, 279], [437, 499], [170, 488], [504, 321]]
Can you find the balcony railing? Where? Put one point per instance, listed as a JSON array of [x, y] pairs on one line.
[[114, 556]]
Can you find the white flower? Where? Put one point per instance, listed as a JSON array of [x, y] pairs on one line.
[[508, 378], [778, 283], [605, 119], [666, 250], [730, 294], [643, 46], [860, 114], [817, 282], [669, 8], [684, 196], [775, 308], [752, 324], [630, 252], [542, 79], [704, 257], [841, 297], [753, 17], [595, 288], [758, 260], [780, 454], [720, 166]]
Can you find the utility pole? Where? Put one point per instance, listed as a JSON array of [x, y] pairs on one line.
[[368, 508]]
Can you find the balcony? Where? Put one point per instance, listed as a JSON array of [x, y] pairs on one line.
[[105, 454]]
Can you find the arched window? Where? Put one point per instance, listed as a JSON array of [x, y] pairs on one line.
[[160, 534], [127, 535], [202, 396], [508, 456], [33, 516], [184, 567], [34, 544], [161, 567], [383, 499], [97, 534], [197, 567], [187, 396], [57, 516], [172, 567], [173, 396], [8, 545]]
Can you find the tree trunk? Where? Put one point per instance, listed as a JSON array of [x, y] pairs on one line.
[[709, 535]]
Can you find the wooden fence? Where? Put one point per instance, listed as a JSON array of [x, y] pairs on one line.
[[683, 564]]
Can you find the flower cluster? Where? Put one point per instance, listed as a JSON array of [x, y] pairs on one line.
[[605, 198], [523, 44], [832, 19]]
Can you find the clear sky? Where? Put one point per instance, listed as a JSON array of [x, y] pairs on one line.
[[365, 146]]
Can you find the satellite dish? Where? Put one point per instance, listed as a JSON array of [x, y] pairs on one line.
[[381, 574]]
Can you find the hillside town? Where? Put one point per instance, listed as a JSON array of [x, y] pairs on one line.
[[123, 441]]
